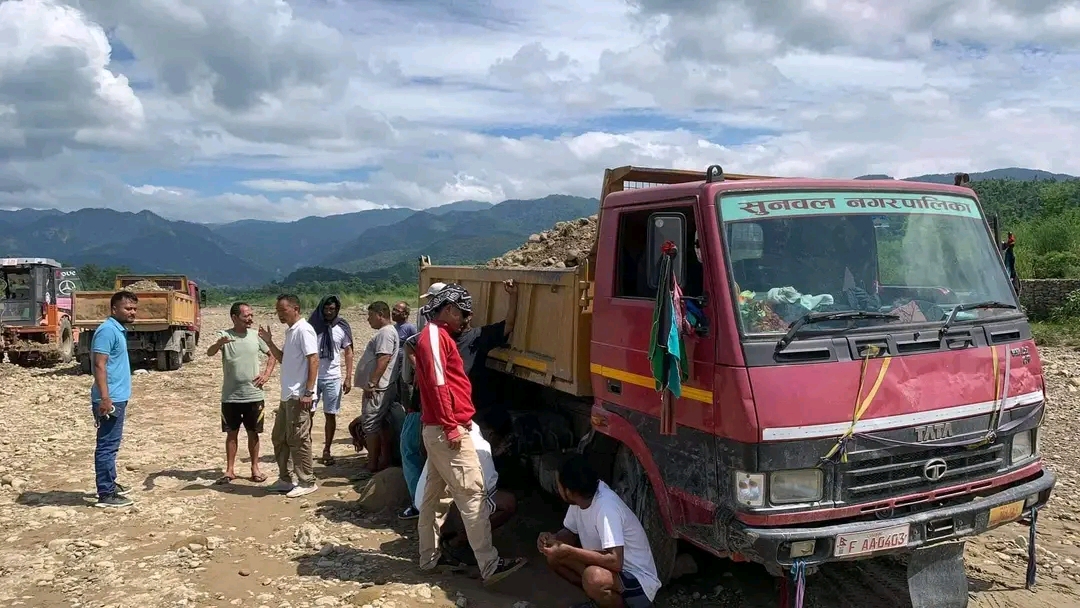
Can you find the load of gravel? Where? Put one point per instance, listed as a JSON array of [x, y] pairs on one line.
[[567, 244], [146, 285]]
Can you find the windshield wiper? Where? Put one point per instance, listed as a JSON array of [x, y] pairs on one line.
[[971, 306], [838, 315]]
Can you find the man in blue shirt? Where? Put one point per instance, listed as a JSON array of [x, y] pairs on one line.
[[109, 395]]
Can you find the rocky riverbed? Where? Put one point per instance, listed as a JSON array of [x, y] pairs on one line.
[[188, 542]]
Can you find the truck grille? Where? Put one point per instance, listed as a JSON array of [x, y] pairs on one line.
[[879, 478]]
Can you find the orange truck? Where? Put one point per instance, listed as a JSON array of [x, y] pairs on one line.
[[35, 313], [167, 326]]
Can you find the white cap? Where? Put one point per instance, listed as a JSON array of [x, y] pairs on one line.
[[434, 289]]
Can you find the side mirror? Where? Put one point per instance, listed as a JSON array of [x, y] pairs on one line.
[[202, 297], [665, 227]]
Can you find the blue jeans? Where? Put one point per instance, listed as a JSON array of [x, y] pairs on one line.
[[412, 459], [110, 430]]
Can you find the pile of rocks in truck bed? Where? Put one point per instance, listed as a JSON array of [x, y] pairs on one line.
[[145, 285], [565, 245]]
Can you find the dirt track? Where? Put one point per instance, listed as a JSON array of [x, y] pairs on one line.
[[190, 543]]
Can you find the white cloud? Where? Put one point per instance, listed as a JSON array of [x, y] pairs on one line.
[[56, 90], [272, 109]]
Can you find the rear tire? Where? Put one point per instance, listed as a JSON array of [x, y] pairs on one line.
[[630, 482], [84, 365], [173, 360], [67, 341]]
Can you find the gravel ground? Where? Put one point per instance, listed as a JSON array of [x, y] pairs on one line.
[[188, 542]]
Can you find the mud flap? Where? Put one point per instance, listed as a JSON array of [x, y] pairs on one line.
[[936, 577]]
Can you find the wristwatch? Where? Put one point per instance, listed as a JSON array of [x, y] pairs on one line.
[[309, 393]]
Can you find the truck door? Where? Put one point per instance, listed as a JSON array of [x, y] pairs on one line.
[[622, 328]]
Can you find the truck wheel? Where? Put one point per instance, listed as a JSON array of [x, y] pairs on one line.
[[173, 360], [632, 485], [67, 342], [84, 364], [189, 353], [19, 359]]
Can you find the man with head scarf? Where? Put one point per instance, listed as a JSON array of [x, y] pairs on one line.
[[335, 342], [447, 419]]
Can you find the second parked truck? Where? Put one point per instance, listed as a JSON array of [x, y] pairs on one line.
[[166, 327], [861, 380]]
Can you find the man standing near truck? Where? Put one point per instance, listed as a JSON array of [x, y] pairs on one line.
[[299, 358], [242, 397], [447, 415], [335, 343], [375, 375], [474, 344], [110, 394]]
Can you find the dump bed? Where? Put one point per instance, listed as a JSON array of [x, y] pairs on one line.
[[550, 343], [176, 282], [157, 309]]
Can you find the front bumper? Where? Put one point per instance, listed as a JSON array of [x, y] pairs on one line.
[[772, 546]]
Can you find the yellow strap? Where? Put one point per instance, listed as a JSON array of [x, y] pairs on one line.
[[996, 413], [861, 408]]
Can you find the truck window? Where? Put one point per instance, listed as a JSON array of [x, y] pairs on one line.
[[911, 254], [632, 279]]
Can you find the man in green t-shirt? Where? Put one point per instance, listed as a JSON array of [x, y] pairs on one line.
[[242, 397]]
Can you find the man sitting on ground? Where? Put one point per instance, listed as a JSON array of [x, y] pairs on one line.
[[499, 505], [602, 547]]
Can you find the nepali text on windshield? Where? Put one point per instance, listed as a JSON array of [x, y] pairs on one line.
[[913, 255]]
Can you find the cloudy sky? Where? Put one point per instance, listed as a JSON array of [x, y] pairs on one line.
[[215, 110]]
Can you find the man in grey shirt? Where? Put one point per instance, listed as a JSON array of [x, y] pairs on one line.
[[375, 375]]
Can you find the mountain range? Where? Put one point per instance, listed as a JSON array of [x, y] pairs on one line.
[[254, 252]]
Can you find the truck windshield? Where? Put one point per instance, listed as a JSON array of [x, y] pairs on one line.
[[15, 288], [914, 255]]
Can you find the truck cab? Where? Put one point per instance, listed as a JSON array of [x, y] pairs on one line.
[[35, 313]]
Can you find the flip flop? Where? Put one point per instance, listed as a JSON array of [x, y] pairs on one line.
[[328, 460], [224, 481], [258, 478]]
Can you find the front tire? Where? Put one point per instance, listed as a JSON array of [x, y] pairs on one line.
[[630, 482]]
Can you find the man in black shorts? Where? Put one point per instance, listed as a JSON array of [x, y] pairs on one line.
[[242, 395]]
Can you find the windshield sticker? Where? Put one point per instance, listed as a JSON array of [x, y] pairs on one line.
[[735, 207]]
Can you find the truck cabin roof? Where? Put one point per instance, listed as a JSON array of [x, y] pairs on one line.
[[27, 262], [634, 185]]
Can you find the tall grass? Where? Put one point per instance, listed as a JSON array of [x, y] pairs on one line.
[[1048, 247]]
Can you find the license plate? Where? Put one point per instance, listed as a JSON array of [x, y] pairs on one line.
[[872, 541], [1006, 513]]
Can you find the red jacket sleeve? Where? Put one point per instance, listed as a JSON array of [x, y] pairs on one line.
[[431, 358]]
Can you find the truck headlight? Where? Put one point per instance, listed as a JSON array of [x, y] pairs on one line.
[[750, 489], [803, 485], [1023, 446]]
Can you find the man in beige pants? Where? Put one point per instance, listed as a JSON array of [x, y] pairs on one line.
[[453, 462], [299, 357]]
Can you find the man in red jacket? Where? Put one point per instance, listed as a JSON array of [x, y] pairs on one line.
[[446, 416]]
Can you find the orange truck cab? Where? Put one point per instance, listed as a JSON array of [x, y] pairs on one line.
[[860, 379]]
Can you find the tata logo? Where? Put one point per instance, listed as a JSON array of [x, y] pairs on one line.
[[933, 432], [934, 469]]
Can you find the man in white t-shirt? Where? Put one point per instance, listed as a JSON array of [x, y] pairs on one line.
[[299, 357], [335, 343], [602, 547], [499, 505]]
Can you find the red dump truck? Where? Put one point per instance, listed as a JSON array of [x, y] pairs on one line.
[[860, 378]]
